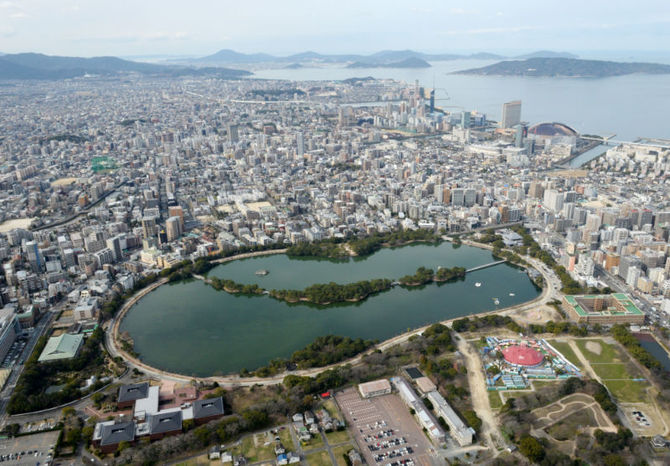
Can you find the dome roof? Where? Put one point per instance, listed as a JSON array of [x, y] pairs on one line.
[[551, 129], [522, 355]]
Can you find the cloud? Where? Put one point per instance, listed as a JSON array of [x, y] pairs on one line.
[[463, 11], [18, 15], [7, 31], [497, 30], [141, 37], [7, 4]]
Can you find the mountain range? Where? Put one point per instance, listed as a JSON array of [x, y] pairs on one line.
[[39, 66], [384, 57], [566, 67]]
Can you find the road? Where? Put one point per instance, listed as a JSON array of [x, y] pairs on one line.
[[6, 393], [548, 293], [480, 397]]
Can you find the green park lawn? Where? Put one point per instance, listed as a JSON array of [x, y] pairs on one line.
[[321, 458], [495, 400], [565, 349], [628, 391], [612, 371], [608, 353], [337, 437]]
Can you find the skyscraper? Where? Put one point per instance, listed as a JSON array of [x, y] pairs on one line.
[[233, 135], [173, 228], [511, 114]]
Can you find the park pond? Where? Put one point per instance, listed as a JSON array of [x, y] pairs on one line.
[[192, 329]]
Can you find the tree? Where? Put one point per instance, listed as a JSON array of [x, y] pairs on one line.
[[531, 448]]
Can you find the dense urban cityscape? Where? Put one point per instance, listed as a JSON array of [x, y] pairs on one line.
[[364, 233]]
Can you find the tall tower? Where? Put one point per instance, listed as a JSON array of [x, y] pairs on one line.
[[511, 114]]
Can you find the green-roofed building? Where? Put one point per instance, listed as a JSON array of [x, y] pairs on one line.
[[616, 308], [65, 346]]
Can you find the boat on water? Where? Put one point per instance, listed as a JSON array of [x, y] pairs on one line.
[[478, 284], [496, 301], [262, 272], [512, 294]]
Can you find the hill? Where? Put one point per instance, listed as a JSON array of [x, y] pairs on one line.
[[412, 62], [546, 54], [39, 66], [384, 57], [566, 67], [231, 56]]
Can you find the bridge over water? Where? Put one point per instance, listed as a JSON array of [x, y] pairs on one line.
[[485, 266]]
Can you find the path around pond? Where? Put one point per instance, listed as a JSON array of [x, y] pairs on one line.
[[114, 348]]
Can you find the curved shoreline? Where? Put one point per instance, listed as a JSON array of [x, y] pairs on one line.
[[112, 334]]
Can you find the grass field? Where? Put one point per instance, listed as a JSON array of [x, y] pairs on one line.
[[197, 461], [608, 353], [337, 437], [286, 439], [321, 458], [628, 391], [339, 451], [331, 407], [565, 349], [255, 451], [613, 371], [315, 442], [565, 429], [495, 400]]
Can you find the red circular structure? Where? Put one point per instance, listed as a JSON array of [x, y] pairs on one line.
[[522, 355]]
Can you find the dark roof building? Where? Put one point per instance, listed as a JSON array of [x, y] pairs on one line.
[[164, 423], [207, 410], [551, 129], [128, 394], [108, 435]]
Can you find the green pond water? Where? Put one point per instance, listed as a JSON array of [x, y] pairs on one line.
[[192, 329]]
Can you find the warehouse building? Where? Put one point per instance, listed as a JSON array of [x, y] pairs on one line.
[[375, 388], [426, 420], [457, 429]]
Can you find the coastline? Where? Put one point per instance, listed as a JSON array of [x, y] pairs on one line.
[[113, 343]]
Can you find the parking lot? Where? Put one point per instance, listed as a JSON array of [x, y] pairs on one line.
[[28, 449], [385, 431], [14, 354]]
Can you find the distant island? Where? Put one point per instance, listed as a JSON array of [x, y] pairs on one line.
[[566, 67], [38, 66], [411, 62]]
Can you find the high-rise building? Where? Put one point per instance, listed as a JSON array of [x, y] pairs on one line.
[[432, 100], [300, 143], [465, 119], [173, 228], [511, 114], [177, 211], [149, 227], [233, 135]]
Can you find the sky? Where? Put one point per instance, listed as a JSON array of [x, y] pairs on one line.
[[199, 27]]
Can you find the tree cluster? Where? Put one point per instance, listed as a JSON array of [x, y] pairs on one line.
[[323, 351], [327, 293], [30, 392], [623, 336]]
